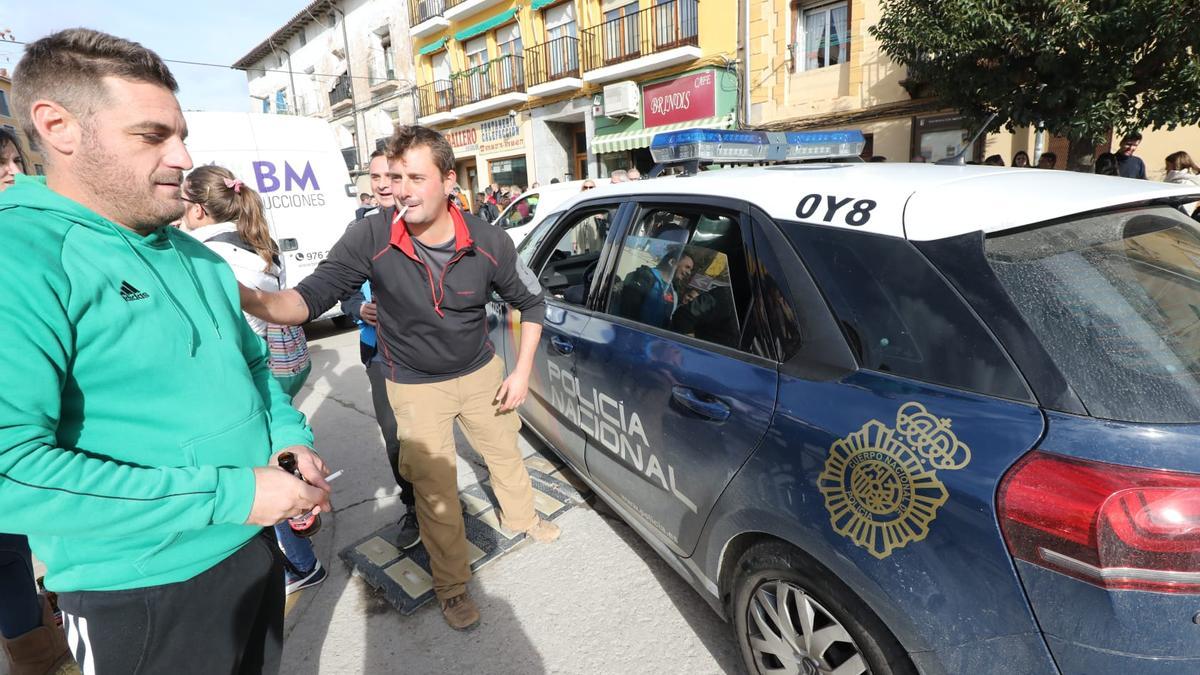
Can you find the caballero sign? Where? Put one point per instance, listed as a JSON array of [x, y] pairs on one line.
[[683, 99]]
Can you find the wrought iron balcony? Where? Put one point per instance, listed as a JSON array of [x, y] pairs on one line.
[[341, 90], [499, 76], [435, 97], [552, 60], [667, 25]]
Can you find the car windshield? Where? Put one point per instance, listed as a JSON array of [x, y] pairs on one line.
[[1115, 301]]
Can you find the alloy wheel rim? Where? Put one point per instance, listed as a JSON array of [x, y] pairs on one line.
[[790, 633]]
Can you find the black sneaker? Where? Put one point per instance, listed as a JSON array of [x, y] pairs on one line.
[[308, 580], [409, 534]]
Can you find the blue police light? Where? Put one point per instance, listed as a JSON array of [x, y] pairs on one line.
[[732, 146]]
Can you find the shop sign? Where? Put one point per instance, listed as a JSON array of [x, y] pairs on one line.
[[500, 134], [683, 99], [463, 140]]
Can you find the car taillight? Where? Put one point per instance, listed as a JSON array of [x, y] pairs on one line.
[[1118, 527]]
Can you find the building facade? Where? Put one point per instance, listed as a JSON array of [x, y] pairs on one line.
[[347, 61], [532, 90], [814, 65], [34, 163]]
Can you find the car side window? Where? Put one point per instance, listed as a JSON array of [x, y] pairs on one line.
[[683, 269], [900, 316], [570, 263], [520, 212]]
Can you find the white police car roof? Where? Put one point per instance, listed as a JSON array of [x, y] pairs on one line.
[[917, 201]]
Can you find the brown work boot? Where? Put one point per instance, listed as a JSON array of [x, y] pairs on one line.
[[543, 531], [460, 612], [41, 651]]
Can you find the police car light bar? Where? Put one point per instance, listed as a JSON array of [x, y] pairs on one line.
[[731, 146]]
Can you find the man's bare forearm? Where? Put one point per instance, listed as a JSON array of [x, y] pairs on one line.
[[282, 307]]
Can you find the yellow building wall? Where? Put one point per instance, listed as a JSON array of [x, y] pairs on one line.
[[780, 89]]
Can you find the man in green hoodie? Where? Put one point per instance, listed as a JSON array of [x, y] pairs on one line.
[[139, 423]]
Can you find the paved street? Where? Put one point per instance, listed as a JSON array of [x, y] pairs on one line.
[[597, 601]]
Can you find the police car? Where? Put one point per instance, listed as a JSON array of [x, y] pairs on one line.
[[889, 418]]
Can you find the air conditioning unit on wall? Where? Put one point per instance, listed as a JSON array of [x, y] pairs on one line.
[[622, 99]]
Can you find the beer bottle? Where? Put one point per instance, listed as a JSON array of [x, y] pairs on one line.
[[304, 525]]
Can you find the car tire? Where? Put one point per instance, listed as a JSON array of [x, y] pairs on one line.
[[842, 628]]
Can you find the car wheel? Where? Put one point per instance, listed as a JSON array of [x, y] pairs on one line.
[[791, 616]]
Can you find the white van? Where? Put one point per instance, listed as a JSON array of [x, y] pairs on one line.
[[540, 202], [295, 165]]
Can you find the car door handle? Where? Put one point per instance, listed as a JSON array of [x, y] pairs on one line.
[[562, 345], [701, 404]]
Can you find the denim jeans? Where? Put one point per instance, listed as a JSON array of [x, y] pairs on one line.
[[20, 611], [298, 551]]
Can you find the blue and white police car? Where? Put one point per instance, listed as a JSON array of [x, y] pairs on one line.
[[889, 418]]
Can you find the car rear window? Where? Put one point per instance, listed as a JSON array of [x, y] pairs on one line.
[[1115, 301]]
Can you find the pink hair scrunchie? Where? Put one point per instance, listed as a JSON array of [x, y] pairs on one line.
[[234, 184]]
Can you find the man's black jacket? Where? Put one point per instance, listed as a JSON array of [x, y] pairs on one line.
[[430, 329]]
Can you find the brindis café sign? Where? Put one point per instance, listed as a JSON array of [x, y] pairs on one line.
[[683, 99]]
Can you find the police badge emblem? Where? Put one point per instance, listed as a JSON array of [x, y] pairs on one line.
[[880, 484]]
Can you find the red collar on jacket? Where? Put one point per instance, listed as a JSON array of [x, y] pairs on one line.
[[402, 240]]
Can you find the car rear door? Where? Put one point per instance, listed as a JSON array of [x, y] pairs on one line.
[[680, 404]]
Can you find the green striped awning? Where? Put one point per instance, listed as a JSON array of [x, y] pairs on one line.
[[538, 4], [432, 47], [641, 138], [484, 26]]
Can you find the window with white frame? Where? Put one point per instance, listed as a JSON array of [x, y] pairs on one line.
[[822, 35], [4, 110]]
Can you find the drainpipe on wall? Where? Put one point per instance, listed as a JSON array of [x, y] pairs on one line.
[[353, 100], [746, 62], [291, 78]]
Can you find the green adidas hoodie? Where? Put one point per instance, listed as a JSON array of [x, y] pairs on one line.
[[134, 398]]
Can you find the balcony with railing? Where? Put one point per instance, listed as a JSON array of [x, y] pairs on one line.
[[435, 101], [339, 96], [499, 83], [663, 35], [427, 17], [457, 9], [553, 67]]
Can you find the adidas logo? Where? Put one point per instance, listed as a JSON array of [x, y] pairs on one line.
[[129, 293]]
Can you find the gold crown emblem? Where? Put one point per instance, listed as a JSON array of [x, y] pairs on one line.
[[880, 484]]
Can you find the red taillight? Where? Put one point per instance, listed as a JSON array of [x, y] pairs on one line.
[[1114, 526]]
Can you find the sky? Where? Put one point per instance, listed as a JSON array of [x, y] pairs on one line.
[[214, 31]]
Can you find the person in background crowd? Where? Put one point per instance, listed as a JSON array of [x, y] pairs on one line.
[[553, 181], [918, 159], [442, 369], [634, 174], [1020, 160], [1107, 164], [535, 185], [495, 188], [490, 195], [619, 176], [362, 307], [1048, 160], [588, 184], [364, 205], [33, 641], [1181, 170], [994, 160], [486, 210], [227, 216], [1129, 166], [143, 482]]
